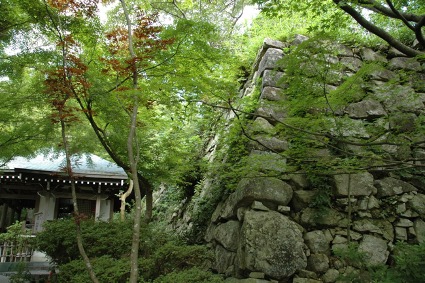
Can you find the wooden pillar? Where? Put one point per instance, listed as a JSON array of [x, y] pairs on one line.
[[3, 215], [98, 203]]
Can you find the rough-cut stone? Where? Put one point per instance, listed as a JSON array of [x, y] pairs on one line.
[[375, 249], [273, 79], [368, 202], [366, 109], [417, 203], [318, 263], [353, 235], [349, 128], [264, 189], [216, 214], [299, 180], [258, 275], [382, 227], [268, 43], [240, 213], [303, 273], [368, 54], [325, 217], [271, 243], [305, 280], [403, 222], [390, 186], [351, 63], [302, 199], [317, 242], [246, 280], [258, 205], [284, 209], [400, 233], [339, 240], [383, 75], [269, 143], [271, 110], [419, 227], [263, 161], [270, 59], [223, 259], [402, 122], [272, 93], [330, 276], [404, 63], [209, 233], [298, 39], [360, 184], [399, 98], [261, 126], [227, 234]]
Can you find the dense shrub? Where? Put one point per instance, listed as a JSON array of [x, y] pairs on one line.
[[408, 265], [161, 256], [192, 275], [107, 270], [174, 257], [58, 239]]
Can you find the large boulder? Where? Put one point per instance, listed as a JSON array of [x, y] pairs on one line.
[[270, 243], [268, 190], [227, 234], [360, 184], [375, 249]]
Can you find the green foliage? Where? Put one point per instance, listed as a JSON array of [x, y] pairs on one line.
[[108, 245], [322, 185], [192, 275], [174, 257], [107, 269], [409, 262], [58, 239], [18, 235]]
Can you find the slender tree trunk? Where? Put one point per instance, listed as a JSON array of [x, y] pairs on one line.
[[133, 159], [123, 197], [77, 216]]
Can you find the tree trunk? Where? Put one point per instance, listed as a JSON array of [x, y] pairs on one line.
[[77, 216], [123, 197], [133, 159]]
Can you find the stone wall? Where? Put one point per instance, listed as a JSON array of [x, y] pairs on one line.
[[268, 231]]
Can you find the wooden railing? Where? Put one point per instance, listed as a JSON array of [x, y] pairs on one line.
[[16, 251]]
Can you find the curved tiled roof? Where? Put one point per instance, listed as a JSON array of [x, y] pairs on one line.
[[88, 165]]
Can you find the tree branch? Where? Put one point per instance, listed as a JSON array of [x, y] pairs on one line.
[[377, 30]]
